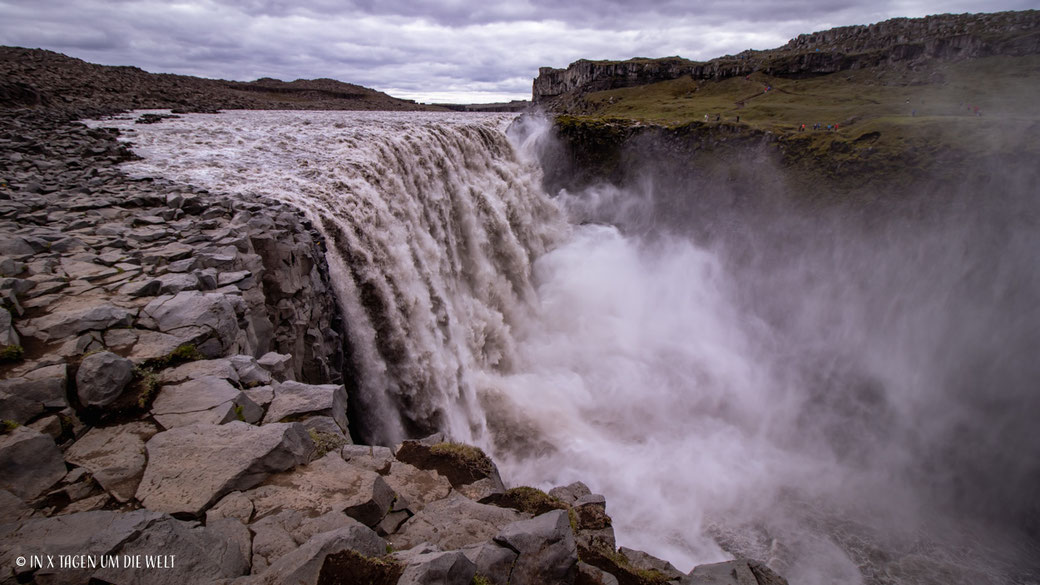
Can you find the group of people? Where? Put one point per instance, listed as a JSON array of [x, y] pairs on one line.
[[818, 126]]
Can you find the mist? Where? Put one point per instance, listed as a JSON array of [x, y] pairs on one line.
[[848, 394], [846, 391]]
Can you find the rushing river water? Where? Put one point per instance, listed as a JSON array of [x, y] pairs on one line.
[[850, 405]]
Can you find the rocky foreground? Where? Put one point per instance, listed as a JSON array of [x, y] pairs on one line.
[[174, 410]]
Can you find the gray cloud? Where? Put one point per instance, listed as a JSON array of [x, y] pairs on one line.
[[431, 50]]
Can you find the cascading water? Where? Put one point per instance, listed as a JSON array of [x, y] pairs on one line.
[[795, 394]]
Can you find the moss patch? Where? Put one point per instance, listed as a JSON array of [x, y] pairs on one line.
[[11, 353], [351, 567], [325, 442]]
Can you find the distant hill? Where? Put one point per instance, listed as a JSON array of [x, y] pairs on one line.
[[41, 79]]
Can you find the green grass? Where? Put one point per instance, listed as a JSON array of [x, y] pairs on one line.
[[466, 455], [861, 101], [325, 442], [6, 426], [11, 353], [480, 580]]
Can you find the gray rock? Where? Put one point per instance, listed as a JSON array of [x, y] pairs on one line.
[[249, 372], [193, 316], [327, 485], [447, 568], [373, 458], [547, 552], [280, 365], [12, 507], [30, 463], [94, 533], [153, 345], [326, 425], [8, 335], [492, 561], [261, 395], [15, 247], [221, 368], [173, 283], [207, 400], [102, 377], [418, 486], [234, 505], [190, 467], [304, 564], [738, 572], [36, 392], [646, 562], [115, 456], [293, 399], [454, 522], [570, 493], [284, 532], [593, 576], [218, 551], [146, 287], [67, 323], [48, 425]]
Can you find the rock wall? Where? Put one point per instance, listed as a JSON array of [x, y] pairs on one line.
[[945, 37]]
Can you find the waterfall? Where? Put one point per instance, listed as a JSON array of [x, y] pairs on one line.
[[794, 390]]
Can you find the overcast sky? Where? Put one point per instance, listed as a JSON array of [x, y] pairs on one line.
[[428, 50]]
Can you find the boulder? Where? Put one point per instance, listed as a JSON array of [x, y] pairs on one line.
[[419, 487], [304, 565], [249, 371], [8, 335], [494, 562], [547, 552], [96, 533], [326, 485], [199, 554], [444, 568], [454, 522], [30, 463], [569, 494], [207, 400], [115, 456], [193, 317], [21, 399], [589, 575], [190, 467], [642, 561], [102, 377], [278, 364], [374, 458], [738, 572], [279, 534], [294, 399], [461, 464]]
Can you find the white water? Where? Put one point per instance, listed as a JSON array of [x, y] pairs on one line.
[[659, 371]]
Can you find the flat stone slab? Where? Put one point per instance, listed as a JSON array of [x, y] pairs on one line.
[[454, 522], [293, 399], [190, 468], [30, 462], [115, 456], [326, 485]]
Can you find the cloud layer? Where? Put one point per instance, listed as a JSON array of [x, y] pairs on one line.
[[432, 51]]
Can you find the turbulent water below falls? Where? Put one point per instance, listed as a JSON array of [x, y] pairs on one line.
[[840, 403]]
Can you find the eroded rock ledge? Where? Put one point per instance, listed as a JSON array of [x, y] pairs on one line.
[[172, 386]]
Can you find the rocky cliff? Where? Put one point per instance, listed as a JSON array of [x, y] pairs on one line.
[[944, 37]]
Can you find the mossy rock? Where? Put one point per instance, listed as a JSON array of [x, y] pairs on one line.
[[461, 464], [351, 567], [527, 499]]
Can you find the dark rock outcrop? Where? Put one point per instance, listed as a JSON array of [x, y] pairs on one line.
[[939, 37]]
